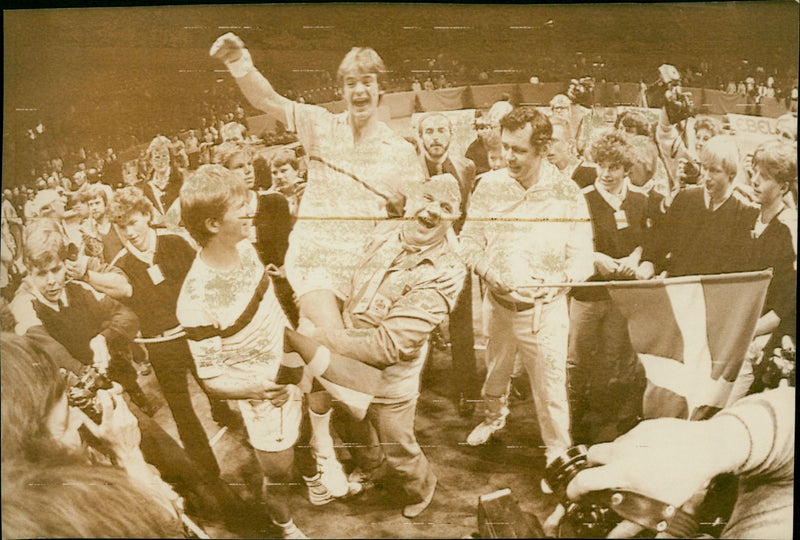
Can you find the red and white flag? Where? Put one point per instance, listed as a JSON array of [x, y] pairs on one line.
[[691, 334]]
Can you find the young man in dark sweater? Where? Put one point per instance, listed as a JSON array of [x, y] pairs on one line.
[[94, 328], [156, 265], [707, 229], [601, 361]]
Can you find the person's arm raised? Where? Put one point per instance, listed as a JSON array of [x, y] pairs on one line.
[[230, 50]]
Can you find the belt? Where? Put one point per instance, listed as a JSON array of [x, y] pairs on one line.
[[167, 335], [513, 306]]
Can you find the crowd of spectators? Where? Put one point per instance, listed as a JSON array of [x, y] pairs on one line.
[[204, 254]]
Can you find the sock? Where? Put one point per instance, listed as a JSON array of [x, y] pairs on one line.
[[321, 440], [319, 364]]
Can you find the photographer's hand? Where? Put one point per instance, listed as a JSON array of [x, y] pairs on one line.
[[666, 459], [118, 428]]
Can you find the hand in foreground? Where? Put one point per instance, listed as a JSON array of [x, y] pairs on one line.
[[76, 269], [101, 357], [227, 48], [118, 426]]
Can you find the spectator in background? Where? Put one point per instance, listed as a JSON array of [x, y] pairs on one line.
[[775, 237], [485, 126], [606, 381], [193, 150], [233, 132], [416, 86], [706, 230], [561, 152], [632, 122], [165, 180], [786, 126], [285, 173], [563, 107], [435, 132]]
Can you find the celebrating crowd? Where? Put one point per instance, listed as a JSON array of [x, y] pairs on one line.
[[304, 288]]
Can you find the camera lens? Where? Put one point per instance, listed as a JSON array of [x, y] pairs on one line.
[[564, 468]]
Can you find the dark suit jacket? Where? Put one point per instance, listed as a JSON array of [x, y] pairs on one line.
[[464, 171]]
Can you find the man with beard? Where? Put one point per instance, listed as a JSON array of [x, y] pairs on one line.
[[435, 132]]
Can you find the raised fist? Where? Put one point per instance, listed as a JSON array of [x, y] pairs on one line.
[[227, 48]]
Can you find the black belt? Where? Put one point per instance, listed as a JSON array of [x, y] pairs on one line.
[[513, 306]]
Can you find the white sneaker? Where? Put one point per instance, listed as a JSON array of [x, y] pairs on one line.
[[290, 530], [318, 493], [484, 431], [332, 475]]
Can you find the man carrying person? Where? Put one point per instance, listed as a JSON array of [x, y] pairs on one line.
[[513, 252], [403, 287], [359, 170], [435, 133]]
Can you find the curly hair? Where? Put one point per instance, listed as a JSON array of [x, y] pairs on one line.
[[709, 124], [542, 130], [612, 147], [127, 201]]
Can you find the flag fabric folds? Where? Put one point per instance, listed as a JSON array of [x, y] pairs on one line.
[[691, 334]]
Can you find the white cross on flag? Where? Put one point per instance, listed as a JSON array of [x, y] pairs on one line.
[[691, 334]]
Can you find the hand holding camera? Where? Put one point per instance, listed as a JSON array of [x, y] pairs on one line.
[[118, 427]]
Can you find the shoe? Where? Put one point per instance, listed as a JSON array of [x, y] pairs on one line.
[[290, 530], [484, 431], [332, 475], [413, 510], [318, 494], [465, 406]]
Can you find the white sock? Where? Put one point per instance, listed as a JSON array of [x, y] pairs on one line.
[[321, 440], [319, 364]]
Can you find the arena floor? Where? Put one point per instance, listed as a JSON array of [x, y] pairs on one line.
[[512, 460]]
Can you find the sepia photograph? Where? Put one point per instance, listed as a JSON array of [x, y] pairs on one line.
[[399, 270]]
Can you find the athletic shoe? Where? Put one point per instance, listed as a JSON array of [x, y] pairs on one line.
[[484, 431], [318, 494], [332, 475], [290, 530]]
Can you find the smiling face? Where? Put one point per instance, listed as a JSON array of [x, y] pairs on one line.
[[429, 215], [611, 176], [136, 230], [361, 93], [521, 157], [160, 159], [284, 176], [435, 134], [49, 279], [701, 138]]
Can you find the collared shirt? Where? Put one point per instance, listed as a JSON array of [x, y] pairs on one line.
[[543, 232], [144, 256], [349, 184], [397, 296], [707, 198], [614, 200]]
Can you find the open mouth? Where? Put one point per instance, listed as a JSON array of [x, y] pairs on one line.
[[427, 221], [361, 102]]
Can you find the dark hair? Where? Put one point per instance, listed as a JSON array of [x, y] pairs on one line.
[[635, 120], [32, 384], [542, 130], [71, 499], [612, 147], [283, 156]]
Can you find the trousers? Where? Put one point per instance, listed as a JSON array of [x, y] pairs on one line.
[[543, 353]]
